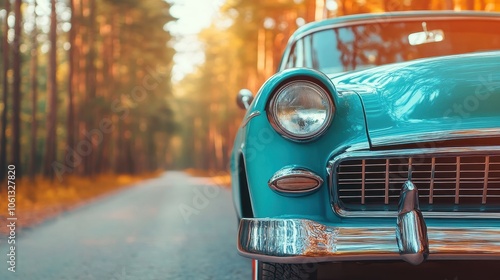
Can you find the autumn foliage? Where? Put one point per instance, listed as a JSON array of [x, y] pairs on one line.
[[243, 48]]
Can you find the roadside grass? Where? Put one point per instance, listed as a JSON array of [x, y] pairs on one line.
[[42, 199]]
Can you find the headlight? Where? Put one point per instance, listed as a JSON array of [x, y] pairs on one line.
[[300, 110]]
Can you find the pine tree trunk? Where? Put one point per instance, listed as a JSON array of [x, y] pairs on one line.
[[469, 5], [80, 74], [105, 156], [117, 51], [34, 97], [3, 133], [91, 85], [310, 10], [70, 129], [421, 5], [16, 108], [50, 147]]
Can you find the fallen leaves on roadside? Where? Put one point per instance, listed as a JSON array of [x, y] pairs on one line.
[[42, 199]]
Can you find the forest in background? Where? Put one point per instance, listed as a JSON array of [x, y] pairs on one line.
[[243, 48], [86, 85]]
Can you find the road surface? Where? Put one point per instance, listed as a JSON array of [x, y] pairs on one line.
[[172, 227]]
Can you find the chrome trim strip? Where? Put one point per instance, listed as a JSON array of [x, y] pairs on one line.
[[306, 241], [486, 177], [438, 136], [457, 182], [251, 116], [386, 194], [410, 168], [394, 214], [363, 184], [431, 187], [436, 152], [293, 172]]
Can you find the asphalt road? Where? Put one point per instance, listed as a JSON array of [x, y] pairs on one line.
[[172, 227]]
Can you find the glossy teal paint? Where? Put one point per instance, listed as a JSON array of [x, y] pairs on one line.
[[429, 97]]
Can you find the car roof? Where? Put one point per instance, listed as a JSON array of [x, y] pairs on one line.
[[353, 19]]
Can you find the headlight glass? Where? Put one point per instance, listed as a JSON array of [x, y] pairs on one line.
[[301, 110]]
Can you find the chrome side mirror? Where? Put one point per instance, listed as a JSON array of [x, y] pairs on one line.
[[244, 98]]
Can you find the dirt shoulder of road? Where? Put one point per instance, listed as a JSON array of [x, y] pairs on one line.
[[38, 201]]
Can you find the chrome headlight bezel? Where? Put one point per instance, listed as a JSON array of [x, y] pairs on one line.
[[276, 124]]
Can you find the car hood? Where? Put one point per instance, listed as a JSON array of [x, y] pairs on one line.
[[429, 99]]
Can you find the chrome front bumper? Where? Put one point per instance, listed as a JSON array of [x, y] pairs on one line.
[[303, 241]]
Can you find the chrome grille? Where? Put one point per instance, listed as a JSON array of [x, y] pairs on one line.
[[445, 182]]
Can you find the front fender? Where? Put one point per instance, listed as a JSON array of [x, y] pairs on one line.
[[265, 151]]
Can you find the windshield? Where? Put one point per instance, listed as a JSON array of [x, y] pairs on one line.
[[367, 45]]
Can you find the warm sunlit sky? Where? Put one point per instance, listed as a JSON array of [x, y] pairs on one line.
[[193, 16]]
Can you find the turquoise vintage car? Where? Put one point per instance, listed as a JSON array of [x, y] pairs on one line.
[[377, 139]]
